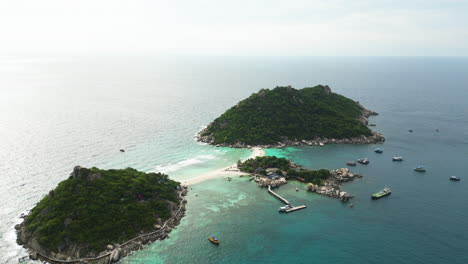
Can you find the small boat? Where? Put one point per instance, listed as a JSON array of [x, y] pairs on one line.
[[454, 178], [378, 150], [420, 169], [363, 161], [284, 208], [321, 144], [386, 191], [351, 163], [122, 150], [411, 130], [397, 158], [297, 189], [213, 240]]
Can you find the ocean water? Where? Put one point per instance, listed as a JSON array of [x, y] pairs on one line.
[[58, 111]]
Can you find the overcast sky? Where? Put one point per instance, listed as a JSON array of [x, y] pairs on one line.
[[240, 27]]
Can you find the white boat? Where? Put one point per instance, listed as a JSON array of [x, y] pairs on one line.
[[397, 159], [321, 144], [284, 208]]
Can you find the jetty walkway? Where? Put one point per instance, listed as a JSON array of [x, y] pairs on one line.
[[293, 208], [278, 196]]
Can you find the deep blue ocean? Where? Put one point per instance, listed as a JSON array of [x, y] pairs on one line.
[[62, 110]]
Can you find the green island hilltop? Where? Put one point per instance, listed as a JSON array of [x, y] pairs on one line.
[[94, 212], [286, 116]]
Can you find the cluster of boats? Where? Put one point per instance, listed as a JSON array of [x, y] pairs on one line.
[[386, 191]]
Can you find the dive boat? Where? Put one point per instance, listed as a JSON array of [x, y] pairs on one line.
[[454, 178], [420, 169], [213, 240], [284, 208], [386, 191], [363, 161], [397, 158], [351, 163], [378, 150]]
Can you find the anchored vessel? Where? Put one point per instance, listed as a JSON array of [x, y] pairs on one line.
[[351, 163], [213, 240], [363, 161], [386, 191], [397, 159], [454, 178], [378, 150], [420, 169]]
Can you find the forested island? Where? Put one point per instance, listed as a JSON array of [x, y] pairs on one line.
[[94, 212], [273, 171], [286, 116]]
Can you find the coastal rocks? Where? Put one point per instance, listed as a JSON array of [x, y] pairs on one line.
[[113, 252], [344, 175], [33, 256], [331, 187], [312, 187], [374, 138], [84, 173], [331, 191]]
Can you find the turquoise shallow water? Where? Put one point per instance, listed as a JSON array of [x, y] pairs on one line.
[[61, 111]]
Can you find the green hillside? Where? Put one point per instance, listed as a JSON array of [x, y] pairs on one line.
[[271, 116], [94, 207]]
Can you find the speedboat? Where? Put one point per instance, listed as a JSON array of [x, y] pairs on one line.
[[378, 150], [454, 178], [213, 240], [284, 208], [351, 163], [363, 161], [420, 169], [397, 158]]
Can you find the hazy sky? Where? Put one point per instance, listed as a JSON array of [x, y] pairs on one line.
[[240, 27]]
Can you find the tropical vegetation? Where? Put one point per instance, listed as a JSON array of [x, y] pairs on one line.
[[285, 113], [285, 168], [95, 207]]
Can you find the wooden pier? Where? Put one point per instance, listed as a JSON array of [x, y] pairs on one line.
[[293, 208], [278, 196]]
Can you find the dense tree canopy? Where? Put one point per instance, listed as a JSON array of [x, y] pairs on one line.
[[269, 116], [95, 207], [260, 164]]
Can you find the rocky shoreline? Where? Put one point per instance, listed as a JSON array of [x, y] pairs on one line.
[[332, 186], [113, 252], [285, 142]]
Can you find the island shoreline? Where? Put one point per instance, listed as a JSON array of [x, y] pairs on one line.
[[375, 138], [114, 252]]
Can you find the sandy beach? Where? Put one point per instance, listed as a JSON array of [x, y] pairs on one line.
[[225, 172]]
